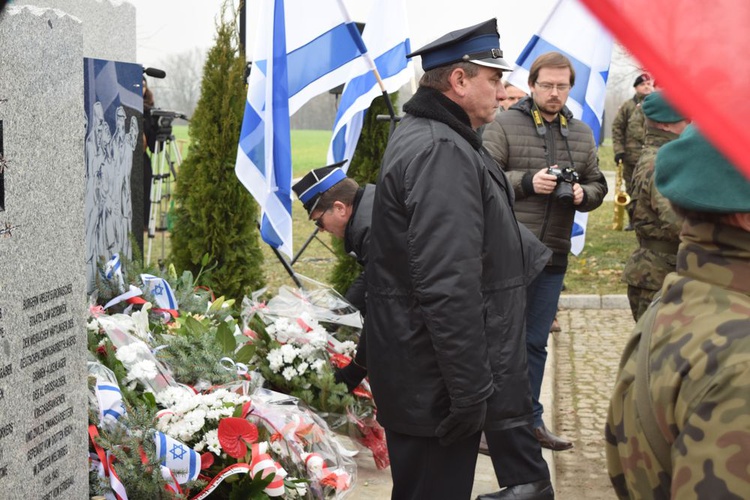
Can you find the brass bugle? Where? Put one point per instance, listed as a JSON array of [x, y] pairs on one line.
[[622, 198]]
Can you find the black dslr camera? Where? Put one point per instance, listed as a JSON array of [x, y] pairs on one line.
[[564, 190]]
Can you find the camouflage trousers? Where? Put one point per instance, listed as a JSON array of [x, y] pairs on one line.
[[639, 299], [628, 169]]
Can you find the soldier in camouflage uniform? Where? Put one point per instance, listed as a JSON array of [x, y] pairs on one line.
[[628, 134], [696, 373], [656, 224]]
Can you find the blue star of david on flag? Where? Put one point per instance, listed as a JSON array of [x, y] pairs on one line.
[[178, 451], [180, 459], [159, 290]]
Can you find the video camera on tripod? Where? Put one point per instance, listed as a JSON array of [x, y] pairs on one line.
[[161, 121]]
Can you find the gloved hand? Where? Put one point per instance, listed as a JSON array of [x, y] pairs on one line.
[[461, 423], [351, 375], [619, 157]]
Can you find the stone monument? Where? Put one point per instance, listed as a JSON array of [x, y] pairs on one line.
[[43, 389]]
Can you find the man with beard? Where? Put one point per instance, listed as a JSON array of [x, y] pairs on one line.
[[446, 283], [550, 159]]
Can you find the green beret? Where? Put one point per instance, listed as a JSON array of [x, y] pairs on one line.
[[693, 174], [656, 108]]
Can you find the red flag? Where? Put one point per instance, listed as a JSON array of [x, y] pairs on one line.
[[696, 51]]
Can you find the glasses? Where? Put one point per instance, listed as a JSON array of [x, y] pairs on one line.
[[545, 86], [319, 221]]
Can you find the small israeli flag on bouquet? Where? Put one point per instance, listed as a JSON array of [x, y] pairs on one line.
[[113, 271], [183, 461], [160, 290], [111, 407]]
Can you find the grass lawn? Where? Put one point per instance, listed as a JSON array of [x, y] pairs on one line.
[[596, 271]]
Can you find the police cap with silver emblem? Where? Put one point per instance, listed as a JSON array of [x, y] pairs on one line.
[[479, 44]]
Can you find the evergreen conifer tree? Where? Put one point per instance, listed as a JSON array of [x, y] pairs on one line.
[[215, 214], [364, 169]]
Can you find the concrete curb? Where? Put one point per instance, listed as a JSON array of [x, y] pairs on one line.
[[594, 302]]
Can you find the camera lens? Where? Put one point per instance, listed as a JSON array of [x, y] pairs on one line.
[[564, 194]]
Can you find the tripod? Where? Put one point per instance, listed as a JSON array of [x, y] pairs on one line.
[[166, 155]]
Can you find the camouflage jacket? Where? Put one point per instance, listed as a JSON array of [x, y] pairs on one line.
[[629, 129], [653, 219], [699, 377]]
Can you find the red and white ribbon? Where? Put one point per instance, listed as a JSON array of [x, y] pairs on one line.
[[264, 464], [240, 468]]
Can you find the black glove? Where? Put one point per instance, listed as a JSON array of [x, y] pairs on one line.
[[351, 375], [619, 157], [461, 423]]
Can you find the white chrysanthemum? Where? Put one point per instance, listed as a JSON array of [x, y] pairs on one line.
[[289, 353], [131, 353], [212, 442], [318, 365], [308, 352], [289, 373], [143, 370], [200, 445], [275, 363], [302, 368]]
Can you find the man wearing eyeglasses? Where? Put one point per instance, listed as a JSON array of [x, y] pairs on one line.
[[535, 134], [337, 205]]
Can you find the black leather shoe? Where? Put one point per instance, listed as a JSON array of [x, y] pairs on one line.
[[538, 490], [629, 227], [550, 441]]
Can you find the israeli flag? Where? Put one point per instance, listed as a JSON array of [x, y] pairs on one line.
[[302, 49], [386, 37], [183, 461], [571, 30], [111, 407], [160, 291], [113, 271]]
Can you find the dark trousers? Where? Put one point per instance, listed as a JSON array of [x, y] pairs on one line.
[[542, 296], [516, 456], [423, 469]]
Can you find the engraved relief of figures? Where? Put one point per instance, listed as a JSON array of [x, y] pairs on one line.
[[109, 159]]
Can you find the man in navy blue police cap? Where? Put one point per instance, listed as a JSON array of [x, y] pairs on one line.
[[446, 285], [339, 206]]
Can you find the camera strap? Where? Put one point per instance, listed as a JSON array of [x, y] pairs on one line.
[[536, 115], [541, 131]]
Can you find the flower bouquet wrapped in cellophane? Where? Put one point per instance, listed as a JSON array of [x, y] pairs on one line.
[[128, 458], [297, 348]]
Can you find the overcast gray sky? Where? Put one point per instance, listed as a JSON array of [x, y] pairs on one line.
[[172, 26]]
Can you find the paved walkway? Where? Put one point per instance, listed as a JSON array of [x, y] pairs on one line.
[[587, 353], [578, 381]]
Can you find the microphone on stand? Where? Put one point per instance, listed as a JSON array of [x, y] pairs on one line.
[[155, 73]]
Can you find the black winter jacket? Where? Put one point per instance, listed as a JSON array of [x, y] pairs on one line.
[[515, 144], [357, 241], [446, 276]]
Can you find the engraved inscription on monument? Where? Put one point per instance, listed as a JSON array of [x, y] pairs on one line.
[[49, 336]]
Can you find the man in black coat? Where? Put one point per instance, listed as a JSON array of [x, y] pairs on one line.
[[339, 206], [446, 283]]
